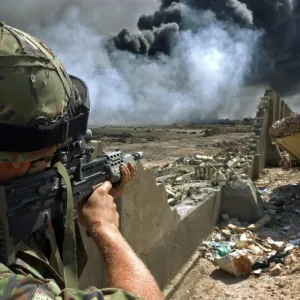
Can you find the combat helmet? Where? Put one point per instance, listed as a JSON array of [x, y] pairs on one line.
[[41, 106]]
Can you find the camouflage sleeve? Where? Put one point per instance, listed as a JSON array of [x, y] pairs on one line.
[[93, 293], [28, 287]]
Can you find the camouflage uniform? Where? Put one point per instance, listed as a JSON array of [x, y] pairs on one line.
[[31, 277]]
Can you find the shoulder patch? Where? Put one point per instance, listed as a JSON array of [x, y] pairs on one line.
[[41, 295]]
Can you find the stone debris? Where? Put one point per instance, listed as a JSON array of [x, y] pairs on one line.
[[285, 127], [231, 166], [275, 271], [259, 224], [210, 171], [237, 250]]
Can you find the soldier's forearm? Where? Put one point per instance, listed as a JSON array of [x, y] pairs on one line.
[[125, 269]]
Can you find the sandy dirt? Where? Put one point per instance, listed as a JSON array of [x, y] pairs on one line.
[[163, 145], [206, 281]]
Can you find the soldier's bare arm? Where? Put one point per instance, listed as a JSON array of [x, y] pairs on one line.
[[125, 269]]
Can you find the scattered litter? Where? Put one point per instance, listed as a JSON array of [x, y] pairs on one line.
[[257, 272], [295, 242], [239, 250], [236, 263], [221, 249], [218, 237], [255, 249], [242, 242]]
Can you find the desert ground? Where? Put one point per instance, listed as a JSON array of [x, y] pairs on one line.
[[162, 145], [165, 144]]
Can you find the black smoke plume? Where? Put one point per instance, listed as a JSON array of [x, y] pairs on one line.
[[277, 63], [188, 59]]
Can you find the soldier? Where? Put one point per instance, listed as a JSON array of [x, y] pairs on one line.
[[41, 109]]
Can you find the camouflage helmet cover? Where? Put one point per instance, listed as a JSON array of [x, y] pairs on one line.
[[37, 96]]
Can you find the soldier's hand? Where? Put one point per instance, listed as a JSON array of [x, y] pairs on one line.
[[127, 174], [99, 213]]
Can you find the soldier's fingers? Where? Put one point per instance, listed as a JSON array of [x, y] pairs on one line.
[[104, 188], [131, 170], [125, 174]]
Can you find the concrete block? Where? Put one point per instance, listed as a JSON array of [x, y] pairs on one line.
[[256, 167], [281, 109], [273, 156], [167, 256], [146, 215], [240, 200]]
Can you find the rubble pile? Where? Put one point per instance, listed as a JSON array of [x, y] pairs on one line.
[[237, 249], [187, 175], [236, 146], [233, 163], [285, 127], [180, 181]]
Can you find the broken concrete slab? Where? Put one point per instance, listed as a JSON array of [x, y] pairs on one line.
[[241, 200]]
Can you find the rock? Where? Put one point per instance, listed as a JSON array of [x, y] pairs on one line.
[[198, 198], [255, 249], [171, 201], [226, 233], [236, 228], [179, 178], [244, 176], [195, 162], [242, 242], [275, 271], [170, 193], [204, 158], [234, 177], [233, 163], [220, 177], [259, 224], [288, 248], [163, 178], [276, 245], [290, 259]]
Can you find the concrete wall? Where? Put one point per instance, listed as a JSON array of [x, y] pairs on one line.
[[270, 109], [159, 235], [162, 237]]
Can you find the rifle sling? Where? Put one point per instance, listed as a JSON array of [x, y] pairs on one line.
[[69, 244]]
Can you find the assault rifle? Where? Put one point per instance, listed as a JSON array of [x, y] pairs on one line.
[[29, 202]]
